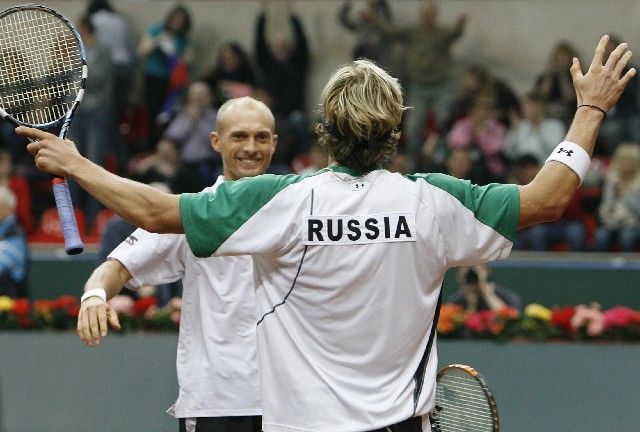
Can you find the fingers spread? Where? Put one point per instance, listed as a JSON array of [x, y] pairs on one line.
[[576, 69], [102, 320], [622, 63], [93, 325], [615, 55], [113, 319], [83, 328], [628, 76], [599, 54]]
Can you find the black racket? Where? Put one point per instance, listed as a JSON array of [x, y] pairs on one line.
[[43, 70], [464, 402]]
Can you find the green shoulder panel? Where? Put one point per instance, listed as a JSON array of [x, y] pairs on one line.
[[495, 205], [210, 218]]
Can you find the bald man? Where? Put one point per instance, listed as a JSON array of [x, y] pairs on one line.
[[216, 360]]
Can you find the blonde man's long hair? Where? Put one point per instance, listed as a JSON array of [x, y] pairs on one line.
[[362, 108]]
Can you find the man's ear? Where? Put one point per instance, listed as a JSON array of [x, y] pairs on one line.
[[215, 141], [274, 140]]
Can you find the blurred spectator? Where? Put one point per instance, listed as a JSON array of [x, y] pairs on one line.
[[459, 164], [92, 120], [476, 81], [112, 30], [569, 229], [311, 162], [556, 85], [166, 52], [535, 134], [484, 134], [428, 67], [284, 68], [399, 164], [232, 76], [13, 248], [620, 208], [191, 129], [623, 120], [20, 188], [370, 43], [479, 293], [160, 166]]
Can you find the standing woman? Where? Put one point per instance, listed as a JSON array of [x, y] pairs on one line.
[[164, 47]]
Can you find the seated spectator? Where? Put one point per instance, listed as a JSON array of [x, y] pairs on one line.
[[20, 188], [232, 76], [555, 83], [370, 42], [159, 167], [623, 120], [620, 208], [479, 293], [569, 229], [535, 134], [459, 164], [13, 248], [481, 132], [190, 130]]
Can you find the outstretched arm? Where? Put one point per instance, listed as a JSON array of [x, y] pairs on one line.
[[96, 315], [138, 203], [546, 197]]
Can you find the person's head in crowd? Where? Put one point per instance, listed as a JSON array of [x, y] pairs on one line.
[[525, 168], [168, 151], [626, 161], [245, 137], [483, 108], [534, 107], [282, 46], [7, 203], [199, 96], [232, 58], [459, 163], [361, 107], [476, 79], [86, 29], [562, 57], [263, 95], [99, 5], [399, 163], [6, 165], [473, 276], [178, 21], [428, 13]]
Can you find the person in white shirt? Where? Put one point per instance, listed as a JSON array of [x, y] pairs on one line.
[[536, 134], [216, 361], [349, 262]]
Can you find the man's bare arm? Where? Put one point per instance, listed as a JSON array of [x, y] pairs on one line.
[[547, 196], [140, 204]]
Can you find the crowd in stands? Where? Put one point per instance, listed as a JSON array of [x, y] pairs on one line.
[[475, 127]]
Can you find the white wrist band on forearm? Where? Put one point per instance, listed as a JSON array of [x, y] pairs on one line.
[[573, 156], [97, 292]]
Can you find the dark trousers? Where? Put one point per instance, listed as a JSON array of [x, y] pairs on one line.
[[413, 424], [226, 424]]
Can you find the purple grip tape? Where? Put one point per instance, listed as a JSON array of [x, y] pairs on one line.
[[72, 242]]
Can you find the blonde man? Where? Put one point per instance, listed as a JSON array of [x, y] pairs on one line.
[[349, 262]]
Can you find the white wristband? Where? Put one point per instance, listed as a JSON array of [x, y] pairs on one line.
[[97, 292], [573, 156]]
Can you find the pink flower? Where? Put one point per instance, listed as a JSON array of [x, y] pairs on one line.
[[122, 304], [619, 316], [591, 317], [175, 317]]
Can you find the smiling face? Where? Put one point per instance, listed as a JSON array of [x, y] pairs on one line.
[[244, 138]]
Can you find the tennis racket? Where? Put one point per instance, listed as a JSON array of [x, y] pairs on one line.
[[43, 70], [464, 402]]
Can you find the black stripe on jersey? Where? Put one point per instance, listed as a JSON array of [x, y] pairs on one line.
[[304, 253], [418, 377]]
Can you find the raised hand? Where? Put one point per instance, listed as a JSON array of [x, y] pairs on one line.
[[603, 85], [52, 154]]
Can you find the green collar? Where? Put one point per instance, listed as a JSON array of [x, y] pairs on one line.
[[351, 171]]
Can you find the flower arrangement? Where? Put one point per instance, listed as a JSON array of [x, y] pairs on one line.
[[536, 322]]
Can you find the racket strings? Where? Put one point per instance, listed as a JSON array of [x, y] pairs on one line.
[[40, 66], [461, 404]]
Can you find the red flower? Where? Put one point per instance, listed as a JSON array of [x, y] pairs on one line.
[[43, 306], [141, 305], [480, 321], [21, 307], [74, 311], [65, 302], [619, 316], [561, 317]]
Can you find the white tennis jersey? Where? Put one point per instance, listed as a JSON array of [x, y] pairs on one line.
[[349, 268], [216, 361]]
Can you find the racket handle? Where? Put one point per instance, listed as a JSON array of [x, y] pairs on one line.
[[72, 242]]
